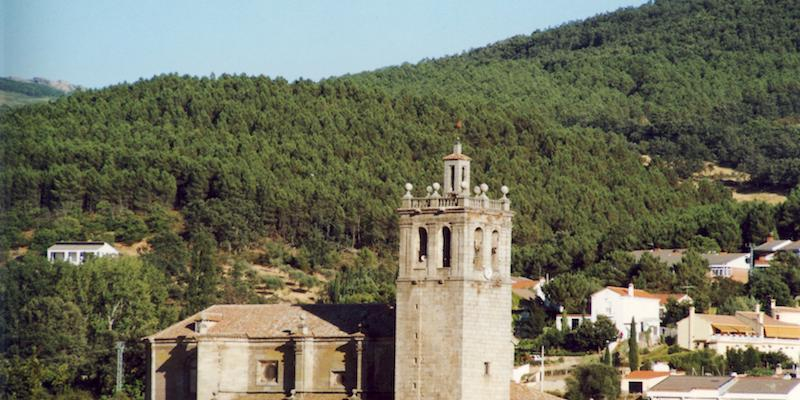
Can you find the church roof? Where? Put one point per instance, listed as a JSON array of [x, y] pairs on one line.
[[279, 320], [521, 392], [456, 156]]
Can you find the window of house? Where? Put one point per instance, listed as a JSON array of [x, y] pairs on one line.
[[477, 261], [73, 256], [267, 372], [337, 379], [452, 178], [58, 255], [446, 247], [487, 368], [574, 323], [423, 245]]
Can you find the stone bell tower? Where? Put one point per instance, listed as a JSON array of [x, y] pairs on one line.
[[453, 338]]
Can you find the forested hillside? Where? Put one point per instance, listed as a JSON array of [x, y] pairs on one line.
[[686, 80]]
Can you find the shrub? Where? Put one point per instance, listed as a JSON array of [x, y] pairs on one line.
[[272, 282]]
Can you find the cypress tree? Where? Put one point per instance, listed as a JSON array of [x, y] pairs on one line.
[[607, 357], [633, 348]]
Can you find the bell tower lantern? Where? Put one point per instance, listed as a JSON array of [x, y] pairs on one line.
[[453, 329], [456, 172]]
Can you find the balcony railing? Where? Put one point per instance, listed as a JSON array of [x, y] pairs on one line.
[[479, 202]]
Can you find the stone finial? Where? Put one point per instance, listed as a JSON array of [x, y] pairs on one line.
[[504, 191], [429, 190], [484, 188], [465, 188], [408, 194], [476, 190], [436, 188]]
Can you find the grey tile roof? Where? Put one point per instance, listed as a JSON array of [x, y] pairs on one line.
[[763, 385], [680, 383]]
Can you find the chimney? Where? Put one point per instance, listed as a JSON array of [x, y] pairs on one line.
[[630, 289], [760, 324], [757, 308], [457, 148], [772, 307], [770, 237], [205, 321]]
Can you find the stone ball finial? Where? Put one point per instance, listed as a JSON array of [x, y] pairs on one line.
[[429, 189], [408, 194], [504, 190], [477, 189], [464, 185], [436, 186], [484, 187]]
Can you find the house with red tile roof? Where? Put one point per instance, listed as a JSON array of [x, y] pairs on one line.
[[622, 305]]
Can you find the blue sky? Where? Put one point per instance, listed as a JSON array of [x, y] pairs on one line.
[[98, 43]]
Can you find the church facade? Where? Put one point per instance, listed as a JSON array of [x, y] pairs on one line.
[[448, 337]]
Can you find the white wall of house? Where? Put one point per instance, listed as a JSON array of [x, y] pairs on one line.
[[621, 309], [730, 268], [792, 317], [77, 254]]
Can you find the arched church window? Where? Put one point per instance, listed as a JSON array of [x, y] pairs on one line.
[[446, 247], [495, 249], [422, 255], [477, 260]]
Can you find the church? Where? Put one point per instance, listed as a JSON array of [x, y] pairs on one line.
[[448, 337]]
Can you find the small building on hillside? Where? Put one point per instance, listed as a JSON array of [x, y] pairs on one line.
[[735, 266], [78, 252], [528, 289], [745, 329], [640, 381]]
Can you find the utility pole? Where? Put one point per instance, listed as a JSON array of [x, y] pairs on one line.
[[120, 348], [541, 371]]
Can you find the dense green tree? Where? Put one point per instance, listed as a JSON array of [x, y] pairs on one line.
[[533, 319], [758, 223], [205, 274], [572, 291], [690, 277], [652, 274], [736, 303], [633, 347], [699, 362], [674, 312], [789, 216], [168, 252], [766, 285], [362, 282], [593, 381]]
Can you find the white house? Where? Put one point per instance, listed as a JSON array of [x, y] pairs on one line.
[[786, 314], [623, 304], [735, 266], [745, 329], [78, 252]]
